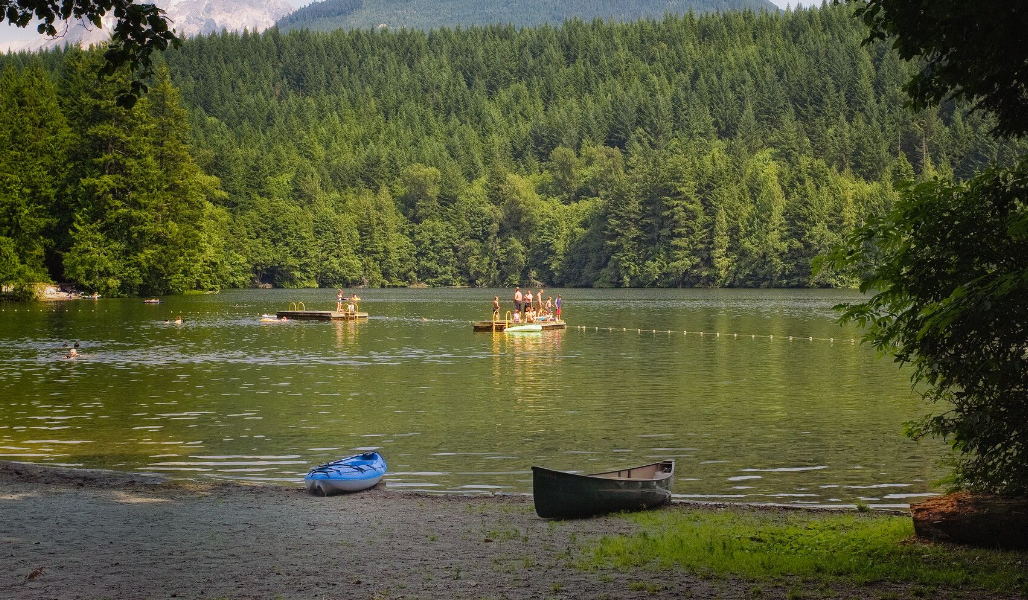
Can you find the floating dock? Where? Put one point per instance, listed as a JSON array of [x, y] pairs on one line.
[[321, 315], [494, 326]]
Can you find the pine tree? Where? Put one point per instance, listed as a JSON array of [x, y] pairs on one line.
[[33, 144]]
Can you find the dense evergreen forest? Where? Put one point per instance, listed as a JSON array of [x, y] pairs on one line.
[[328, 15], [726, 149]]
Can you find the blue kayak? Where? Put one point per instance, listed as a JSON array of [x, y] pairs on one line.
[[350, 474]]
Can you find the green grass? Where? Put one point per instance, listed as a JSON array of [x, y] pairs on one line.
[[854, 548], [642, 586], [504, 534]]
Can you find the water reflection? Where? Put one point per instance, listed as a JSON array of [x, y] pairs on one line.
[[752, 416]]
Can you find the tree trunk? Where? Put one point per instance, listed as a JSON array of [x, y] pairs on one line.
[[973, 519]]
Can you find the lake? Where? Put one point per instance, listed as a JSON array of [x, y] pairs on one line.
[[748, 414]]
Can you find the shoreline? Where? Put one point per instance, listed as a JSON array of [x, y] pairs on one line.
[[39, 472], [77, 533]]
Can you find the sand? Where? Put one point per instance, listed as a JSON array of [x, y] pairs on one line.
[[99, 534]]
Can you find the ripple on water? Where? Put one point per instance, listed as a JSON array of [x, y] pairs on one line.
[[724, 408]]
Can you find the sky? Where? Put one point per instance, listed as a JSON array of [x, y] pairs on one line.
[[10, 34]]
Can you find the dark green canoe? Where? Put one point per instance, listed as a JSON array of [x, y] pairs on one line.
[[560, 495]]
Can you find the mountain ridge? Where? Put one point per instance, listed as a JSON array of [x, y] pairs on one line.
[[431, 14]]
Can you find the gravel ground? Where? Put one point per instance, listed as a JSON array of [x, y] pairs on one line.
[[98, 534]]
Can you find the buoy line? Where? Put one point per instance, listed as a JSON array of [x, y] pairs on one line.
[[715, 334]]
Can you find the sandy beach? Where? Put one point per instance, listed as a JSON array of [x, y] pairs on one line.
[[97, 534]]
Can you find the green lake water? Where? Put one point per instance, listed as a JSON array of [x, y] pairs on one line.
[[748, 419]]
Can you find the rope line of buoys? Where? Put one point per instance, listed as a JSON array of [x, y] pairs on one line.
[[718, 334]]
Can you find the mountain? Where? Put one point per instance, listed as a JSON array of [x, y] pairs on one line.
[[188, 17], [428, 14], [193, 17]]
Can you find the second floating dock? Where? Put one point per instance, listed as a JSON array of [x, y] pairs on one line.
[[495, 326], [321, 315]]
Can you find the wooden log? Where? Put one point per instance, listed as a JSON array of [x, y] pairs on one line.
[[981, 520]]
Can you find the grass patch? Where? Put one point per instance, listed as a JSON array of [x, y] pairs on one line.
[[501, 535], [855, 548], [642, 586]]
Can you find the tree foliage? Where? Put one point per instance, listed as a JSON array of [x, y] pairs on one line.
[[976, 51], [944, 267], [139, 31], [724, 149], [950, 297], [327, 15], [102, 195]]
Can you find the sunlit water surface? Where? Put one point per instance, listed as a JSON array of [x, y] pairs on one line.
[[748, 417]]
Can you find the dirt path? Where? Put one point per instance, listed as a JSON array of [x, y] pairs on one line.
[[95, 534]]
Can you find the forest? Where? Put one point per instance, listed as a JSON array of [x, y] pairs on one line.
[[726, 149], [327, 15]]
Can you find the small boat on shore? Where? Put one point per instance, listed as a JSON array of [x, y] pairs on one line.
[[350, 474], [562, 495]]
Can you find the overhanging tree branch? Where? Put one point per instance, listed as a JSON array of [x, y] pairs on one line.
[[139, 31]]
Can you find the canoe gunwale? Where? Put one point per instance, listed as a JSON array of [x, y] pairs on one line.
[[662, 475]]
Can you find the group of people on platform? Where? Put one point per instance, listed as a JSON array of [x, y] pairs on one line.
[[351, 307], [529, 308]]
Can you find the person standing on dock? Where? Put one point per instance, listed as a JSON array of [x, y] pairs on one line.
[[539, 302], [496, 308], [339, 301], [558, 304], [517, 299], [528, 303]]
